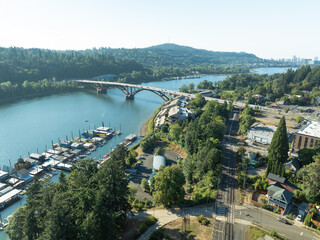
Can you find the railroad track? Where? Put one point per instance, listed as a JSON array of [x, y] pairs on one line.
[[224, 205]]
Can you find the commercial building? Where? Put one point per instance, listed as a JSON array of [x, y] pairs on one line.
[[159, 161], [261, 133], [309, 136]]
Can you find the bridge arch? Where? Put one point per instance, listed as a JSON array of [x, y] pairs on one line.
[[128, 91]]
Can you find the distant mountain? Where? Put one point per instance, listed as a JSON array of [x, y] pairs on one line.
[[174, 55]]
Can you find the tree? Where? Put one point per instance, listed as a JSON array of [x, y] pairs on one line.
[[191, 87], [278, 151], [299, 119], [183, 88], [158, 151], [167, 186], [15, 229], [145, 185], [311, 180]]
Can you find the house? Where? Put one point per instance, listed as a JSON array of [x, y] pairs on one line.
[[309, 136], [292, 165], [274, 179], [24, 175], [3, 175], [258, 96], [261, 133], [65, 144], [279, 196], [177, 113], [76, 145], [36, 156], [158, 161]]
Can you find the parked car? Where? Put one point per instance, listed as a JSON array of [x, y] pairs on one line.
[[299, 218], [283, 220]]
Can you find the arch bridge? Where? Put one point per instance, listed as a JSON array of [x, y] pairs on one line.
[[130, 90]]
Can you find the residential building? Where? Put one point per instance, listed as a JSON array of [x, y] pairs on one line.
[[293, 165], [309, 136], [279, 196], [261, 133], [276, 180]]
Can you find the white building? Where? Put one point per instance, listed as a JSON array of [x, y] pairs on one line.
[[261, 133]]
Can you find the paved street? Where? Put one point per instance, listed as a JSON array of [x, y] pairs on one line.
[[245, 215]]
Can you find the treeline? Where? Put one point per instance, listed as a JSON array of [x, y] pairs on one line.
[[18, 65], [7, 89], [201, 139], [91, 203], [303, 85]]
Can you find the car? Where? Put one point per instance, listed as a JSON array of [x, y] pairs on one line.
[[283, 220], [299, 218]]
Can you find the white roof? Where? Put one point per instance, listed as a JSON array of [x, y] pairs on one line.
[[9, 195], [158, 161], [312, 129], [86, 145], [104, 129], [3, 173]]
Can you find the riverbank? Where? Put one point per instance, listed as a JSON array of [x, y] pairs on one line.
[[38, 95]]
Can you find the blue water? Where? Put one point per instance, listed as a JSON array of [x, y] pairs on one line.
[[29, 125]]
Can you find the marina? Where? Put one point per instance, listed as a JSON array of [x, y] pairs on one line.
[[61, 156]]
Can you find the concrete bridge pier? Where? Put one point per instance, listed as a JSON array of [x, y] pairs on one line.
[[101, 90], [130, 97]]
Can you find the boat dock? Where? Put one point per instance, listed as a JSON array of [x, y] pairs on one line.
[[62, 156]]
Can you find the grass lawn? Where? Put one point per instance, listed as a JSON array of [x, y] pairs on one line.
[[255, 233], [193, 229]]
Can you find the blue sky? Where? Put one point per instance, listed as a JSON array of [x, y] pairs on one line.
[[269, 29]]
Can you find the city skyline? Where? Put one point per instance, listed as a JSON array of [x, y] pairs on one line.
[[278, 30]]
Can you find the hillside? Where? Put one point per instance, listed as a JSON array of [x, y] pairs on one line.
[[179, 56]]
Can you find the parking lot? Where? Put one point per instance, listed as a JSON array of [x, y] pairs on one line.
[[145, 170]]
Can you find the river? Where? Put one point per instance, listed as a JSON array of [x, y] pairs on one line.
[[29, 125]]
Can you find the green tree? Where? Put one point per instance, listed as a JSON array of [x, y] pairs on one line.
[[311, 180], [299, 119], [191, 87], [183, 88], [145, 185], [167, 186], [278, 150]]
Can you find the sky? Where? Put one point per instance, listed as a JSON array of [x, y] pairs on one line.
[[267, 28]]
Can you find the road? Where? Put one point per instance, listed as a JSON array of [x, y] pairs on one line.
[[246, 215]]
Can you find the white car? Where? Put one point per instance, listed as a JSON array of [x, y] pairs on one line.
[[299, 218]]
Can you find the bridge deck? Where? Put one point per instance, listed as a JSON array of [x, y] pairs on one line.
[[170, 92]]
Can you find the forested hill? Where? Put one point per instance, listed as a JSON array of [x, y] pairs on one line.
[[179, 56], [18, 65]]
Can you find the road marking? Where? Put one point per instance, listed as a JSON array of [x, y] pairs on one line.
[[301, 233]]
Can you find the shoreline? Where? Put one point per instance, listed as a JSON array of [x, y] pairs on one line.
[[30, 96], [143, 129]]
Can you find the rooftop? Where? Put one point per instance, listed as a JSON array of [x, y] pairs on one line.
[[263, 128], [280, 194], [312, 129], [277, 178], [158, 161]]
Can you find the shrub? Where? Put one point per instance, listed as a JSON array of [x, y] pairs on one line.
[[200, 218], [203, 220], [150, 221], [159, 235], [290, 216], [273, 233], [143, 227]]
